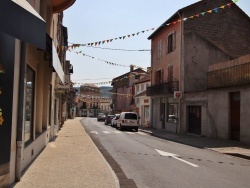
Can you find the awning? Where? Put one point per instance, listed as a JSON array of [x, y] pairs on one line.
[[20, 20]]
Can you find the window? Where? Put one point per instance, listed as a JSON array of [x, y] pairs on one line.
[[137, 77], [173, 114], [159, 49], [142, 87], [159, 76], [170, 73], [137, 88], [171, 42], [30, 88]]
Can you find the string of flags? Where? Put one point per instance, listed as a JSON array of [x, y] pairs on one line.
[[97, 43], [119, 49], [108, 82], [108, 62], [106, 92]]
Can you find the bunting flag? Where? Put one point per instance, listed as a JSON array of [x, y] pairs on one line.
[[215, 10], [107, 62], [105, 92], [107, 82]]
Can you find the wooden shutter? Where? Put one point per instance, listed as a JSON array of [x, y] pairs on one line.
[[174, 40], [166, 45]]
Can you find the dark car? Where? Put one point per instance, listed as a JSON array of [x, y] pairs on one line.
[[108, 119], [101, 117]]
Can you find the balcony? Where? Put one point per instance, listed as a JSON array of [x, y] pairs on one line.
[[163, 88], [230, 76]]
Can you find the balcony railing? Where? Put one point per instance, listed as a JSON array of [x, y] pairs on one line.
[[231, 76], [166, 87]]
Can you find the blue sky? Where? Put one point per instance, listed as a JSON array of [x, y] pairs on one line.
[[98, 20]]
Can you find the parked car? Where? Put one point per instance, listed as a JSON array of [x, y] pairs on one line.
[[108, 119], [128, 120], [101, 117], [114, 120]]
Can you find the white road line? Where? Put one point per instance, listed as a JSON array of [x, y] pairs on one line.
[[94, 132], [130, 133], [167, 154], [118, 132], [106, 132], [141, 133]]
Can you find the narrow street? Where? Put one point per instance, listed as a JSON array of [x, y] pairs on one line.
[[148, 161]]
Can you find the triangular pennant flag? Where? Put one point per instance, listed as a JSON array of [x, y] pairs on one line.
[[124, 37], [92, 44], [96, 43], [191, 17], [184, 19], [133, 34], [229, 5], [88, 43], [152, 28], [138, 33], [222, 7], [197, 15], [115, 38], [120, 37], [210, 11], [143, 31], [203, 13], [235, 1], [216, 10], [174, 23], [107, 41], [111, 40], [128, 36], [103, 42], [100, 42]]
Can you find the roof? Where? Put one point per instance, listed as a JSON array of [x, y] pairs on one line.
[[139, 70], [144, 79], [141, 94], [190, 7]]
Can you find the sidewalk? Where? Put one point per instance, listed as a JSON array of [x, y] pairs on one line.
[[228, 147], [72, 160]]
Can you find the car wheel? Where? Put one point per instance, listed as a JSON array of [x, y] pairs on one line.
[[121, 127]]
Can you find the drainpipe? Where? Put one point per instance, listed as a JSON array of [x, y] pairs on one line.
[[19, 141], [181, 74]]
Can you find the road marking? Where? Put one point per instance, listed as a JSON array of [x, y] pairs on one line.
[[141, 133], [166, 154], [106, 132], [94, 132], [130, 133], [117, 132]]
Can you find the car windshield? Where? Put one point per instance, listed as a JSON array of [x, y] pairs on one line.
[[130, 116]]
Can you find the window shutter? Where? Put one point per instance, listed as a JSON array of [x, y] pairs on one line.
[[162, 74], [166, 45], [174, 40]]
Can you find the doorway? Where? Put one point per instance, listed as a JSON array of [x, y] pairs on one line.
[[194, 119], [162, 118], [235, 116]]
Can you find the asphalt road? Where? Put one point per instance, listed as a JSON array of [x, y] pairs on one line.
[[141, 160]]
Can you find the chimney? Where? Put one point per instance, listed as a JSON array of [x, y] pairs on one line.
[[131, 68]]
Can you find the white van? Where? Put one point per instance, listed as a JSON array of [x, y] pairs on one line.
[[128, 120]]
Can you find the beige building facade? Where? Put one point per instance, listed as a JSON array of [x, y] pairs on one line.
[[30, 115]]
